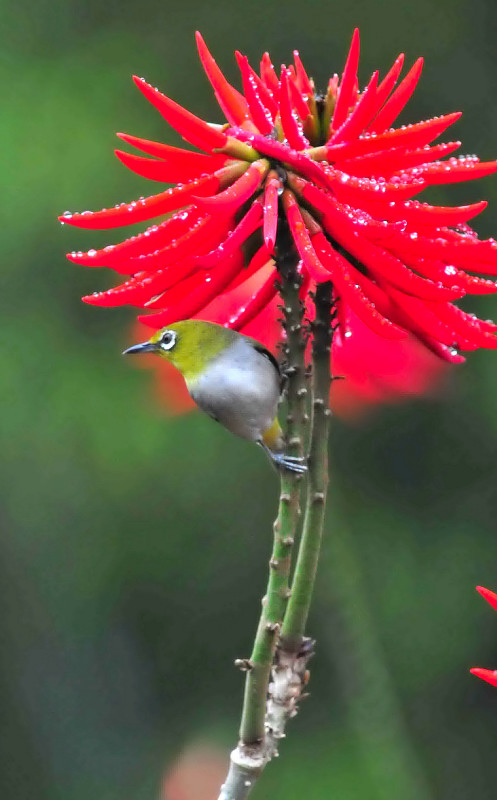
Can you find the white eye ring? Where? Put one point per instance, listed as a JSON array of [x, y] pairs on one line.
[[168, 340]]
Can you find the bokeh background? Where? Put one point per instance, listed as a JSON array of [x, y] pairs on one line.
[[134, 547]]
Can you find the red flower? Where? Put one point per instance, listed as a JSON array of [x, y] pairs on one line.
[[488, 675], [330, 167]]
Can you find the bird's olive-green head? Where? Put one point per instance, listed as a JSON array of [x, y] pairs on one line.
[[188, 345]]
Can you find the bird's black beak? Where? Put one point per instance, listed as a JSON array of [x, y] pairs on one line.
[[144, 347]]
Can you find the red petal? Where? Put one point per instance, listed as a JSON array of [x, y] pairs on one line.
[[344, 280], [291, 128], [260, 114], [380, 262], [475, 255], [488, 675], [191, 128], [298, 101], [416, 135], [355, 191], [202, 292], [347, 84], [389, 80], [360, 116], [146, 207], [270, 208], [245, 228], [422, 319], [182, 165], [398, 100], [259, 260], [236, 194], [421, 214], [455, 170], [141, 290], [269, 76], [199, 239], [256, 303], [233, 104], [489, 596], [302, 239], [267, 98], [464, 324], [303, 81], [154, 237], [449, 275], [172, 172], [387, 162]]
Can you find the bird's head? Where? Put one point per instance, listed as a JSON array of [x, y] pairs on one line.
[[188, 345]]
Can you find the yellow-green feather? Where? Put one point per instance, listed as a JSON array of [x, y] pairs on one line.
[[197, 343]]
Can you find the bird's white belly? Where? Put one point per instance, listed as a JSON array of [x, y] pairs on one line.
[[240, 388]]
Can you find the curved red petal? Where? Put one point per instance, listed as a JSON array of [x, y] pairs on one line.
[[416, 135], [176, 168], [192, 128], [389, 80], [343, 275], [347, 83], [303, 81], [302, 240], [235, 195], [291, 128], [488, 675], [146, 207], [245, 228], [360, 116], [455, 170], [256, 303], [270, 208], [488, 595], [233, 104], [387, 162], [193, 301], [269, 76], [398, 100], [259, 112]]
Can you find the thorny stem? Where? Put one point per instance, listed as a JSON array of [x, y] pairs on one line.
[[295, 620], [252, 728], [257, 745]]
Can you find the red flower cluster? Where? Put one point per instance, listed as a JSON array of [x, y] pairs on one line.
[[488, 675], [336, 173]]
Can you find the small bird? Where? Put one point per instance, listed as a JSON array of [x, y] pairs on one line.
[[231, 377]]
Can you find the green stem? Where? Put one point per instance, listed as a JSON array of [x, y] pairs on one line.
[[275, 601], [295, 619]]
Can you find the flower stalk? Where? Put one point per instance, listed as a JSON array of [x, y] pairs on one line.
[[297, 612], [252, 730], [277, 669]]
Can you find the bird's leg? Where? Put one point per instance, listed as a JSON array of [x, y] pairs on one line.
[[282, 461]]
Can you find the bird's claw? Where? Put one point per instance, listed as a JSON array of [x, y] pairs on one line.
[[296, 464]]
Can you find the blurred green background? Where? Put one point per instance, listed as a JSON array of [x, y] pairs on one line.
[[134, 548]]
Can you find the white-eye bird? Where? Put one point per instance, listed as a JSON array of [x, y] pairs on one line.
[[231, 377]]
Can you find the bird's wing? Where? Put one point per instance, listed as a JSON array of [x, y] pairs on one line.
[[267, 353]]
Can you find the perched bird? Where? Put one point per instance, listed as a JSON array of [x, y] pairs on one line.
[[231, 377]]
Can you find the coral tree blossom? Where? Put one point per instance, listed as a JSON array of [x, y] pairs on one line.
[[489, 675], [343, 180]]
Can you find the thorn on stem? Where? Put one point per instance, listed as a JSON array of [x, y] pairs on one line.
[[244, 664], [272, 627]]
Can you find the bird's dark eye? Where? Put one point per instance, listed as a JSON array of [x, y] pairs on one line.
[[168, 340]]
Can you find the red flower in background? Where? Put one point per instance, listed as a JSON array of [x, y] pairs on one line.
[[333, 169], [488, 675]]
